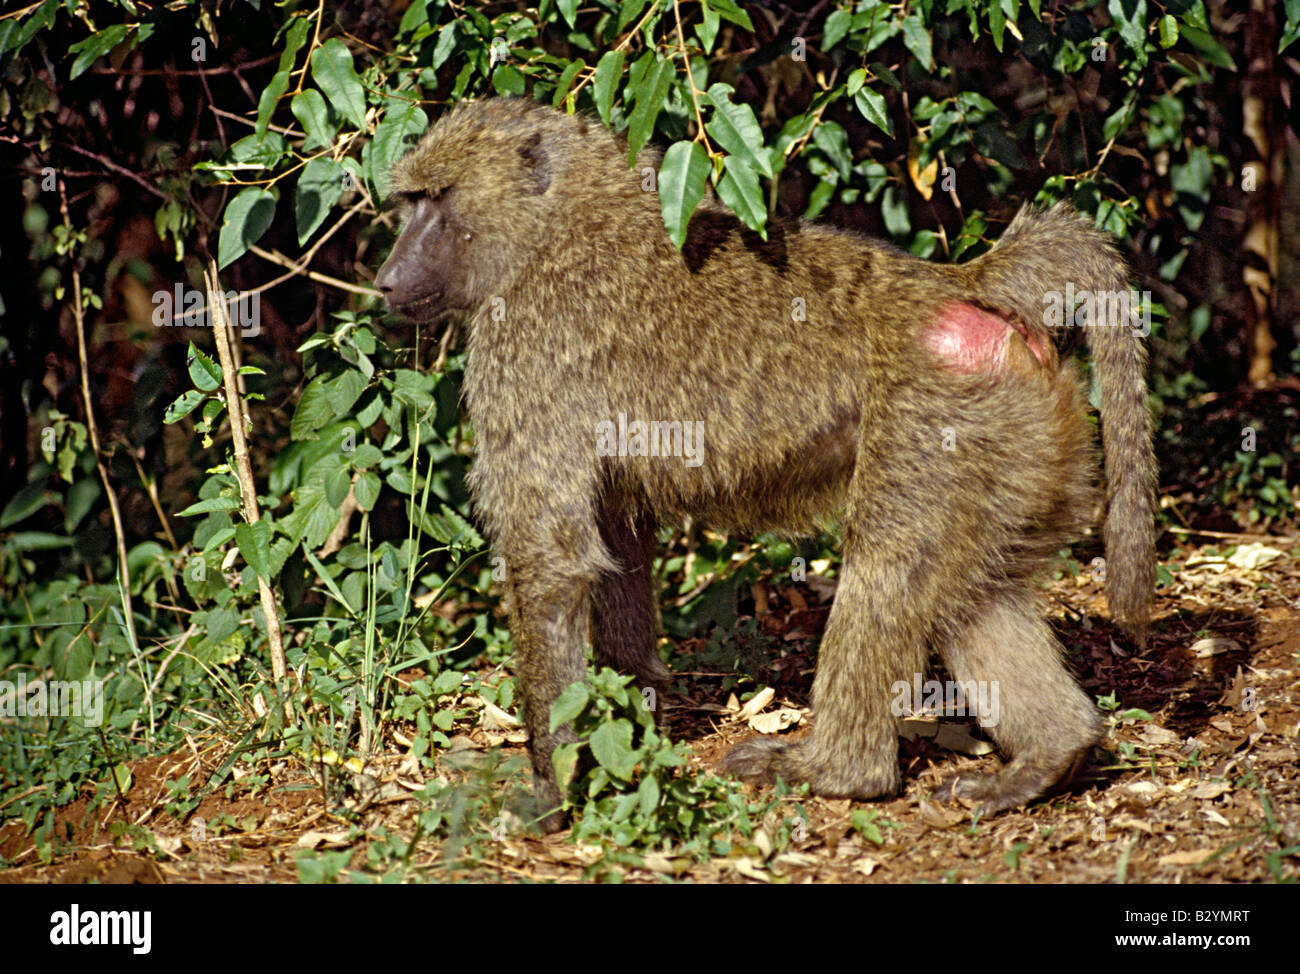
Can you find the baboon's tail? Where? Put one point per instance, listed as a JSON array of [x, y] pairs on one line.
[[1057, 250]]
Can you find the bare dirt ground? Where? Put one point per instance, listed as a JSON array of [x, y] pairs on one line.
[[1205, 791]]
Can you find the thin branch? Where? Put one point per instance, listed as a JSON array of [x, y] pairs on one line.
[[79, 319], [296, 270], [109, 164], [221, 332]]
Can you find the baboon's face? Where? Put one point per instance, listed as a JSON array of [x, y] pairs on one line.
[[474, 199], [425, 275]]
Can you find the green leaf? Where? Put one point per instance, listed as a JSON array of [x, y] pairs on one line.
[[917, 39], [731, 12], [183, 406], [95, 46], [337, 484], [293, 41], [997, 24], [35, 541], [1130, 17], [893, 210], [820, 198], [569, 8], [313, 412], [707, 28], [310, 110], [628, 11], [412, 387], [649, 103], [683, 177], [831, 138], [223, 503], [204, 373], [365, 455], [735, 128], [836, 26], [1199, 322], [415, 17], [739, 189], [320, 186], [1118, 120], [366, 490], [611, 746], [446, 44], [1168, 31], [1210, 49], [13, 38], [1191, 182], [872, 106], [569, 704], [609, 71], [247, 217], [254, 543], [566, 81], [25, 503], [312, 518], [122, 778], [331, 67], [648, 795], [402, 125], [221, 623], [507, 80], [81, 498], [883, 73]]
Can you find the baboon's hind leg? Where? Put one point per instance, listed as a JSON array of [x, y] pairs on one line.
[[623, 611], [1031, 705]]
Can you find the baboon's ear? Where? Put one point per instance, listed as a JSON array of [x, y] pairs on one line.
[[538, 160]]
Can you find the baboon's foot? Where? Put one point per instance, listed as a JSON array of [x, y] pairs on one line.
[[764, 759], [1019, 783]]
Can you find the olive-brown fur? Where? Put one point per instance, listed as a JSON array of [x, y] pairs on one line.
[[808, 359]]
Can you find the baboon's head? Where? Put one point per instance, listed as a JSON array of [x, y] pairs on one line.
[[478, 198]]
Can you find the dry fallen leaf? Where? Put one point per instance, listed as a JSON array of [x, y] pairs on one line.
[[1155, 734], [1210, 789], [957, 737], [866, 865], [940, 818], [1205, 648], [776, 721], [757, 703], [1253, 556], [747, 868], [913, 728], [1192, 857], [494, 718]]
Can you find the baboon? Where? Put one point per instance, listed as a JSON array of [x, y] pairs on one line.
[[818, 375]]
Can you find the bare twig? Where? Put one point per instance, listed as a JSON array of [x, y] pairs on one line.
[[244, 469], [112, 166], [79, 319]]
